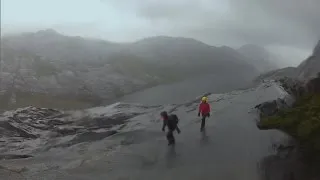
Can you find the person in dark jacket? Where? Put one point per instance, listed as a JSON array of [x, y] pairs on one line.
[[204, 111], [170, 121]]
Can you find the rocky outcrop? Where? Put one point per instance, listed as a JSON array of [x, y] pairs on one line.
[[313, 86], [290, 88], [271, 107], [30, 122], [301, 121], [33, 127], [294, 87]]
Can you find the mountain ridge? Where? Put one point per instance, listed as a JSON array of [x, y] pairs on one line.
[[47, 62]]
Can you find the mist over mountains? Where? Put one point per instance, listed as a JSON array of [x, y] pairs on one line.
[[308, 69], [259, 57], [49, 64]]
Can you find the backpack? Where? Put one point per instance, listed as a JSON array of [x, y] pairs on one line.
[[175, 118]]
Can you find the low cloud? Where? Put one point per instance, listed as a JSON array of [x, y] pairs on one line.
[[289, 24]]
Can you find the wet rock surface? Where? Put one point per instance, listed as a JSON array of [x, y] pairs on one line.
[[293, 89], [31, 129], [124, 141], [29, 122], [290, 90]]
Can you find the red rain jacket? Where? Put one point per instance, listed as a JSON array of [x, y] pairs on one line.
[[204, 108]]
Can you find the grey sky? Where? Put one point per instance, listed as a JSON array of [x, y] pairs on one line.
[[288, 27]]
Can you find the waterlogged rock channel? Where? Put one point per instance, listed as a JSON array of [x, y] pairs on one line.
[[125, 142]]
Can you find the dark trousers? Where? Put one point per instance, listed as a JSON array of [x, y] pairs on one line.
[[170, 137], [203, 121], [178, 130]]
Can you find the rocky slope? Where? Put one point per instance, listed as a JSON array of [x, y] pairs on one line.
[[104, 142], [25, 75], [28, 130], [76, 70], [306, 70], [311, 66]]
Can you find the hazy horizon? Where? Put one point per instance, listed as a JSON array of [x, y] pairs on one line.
[[289, 28]]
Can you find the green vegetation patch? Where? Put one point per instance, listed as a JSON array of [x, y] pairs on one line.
[[302, 122]]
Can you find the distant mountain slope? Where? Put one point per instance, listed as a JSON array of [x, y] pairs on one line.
[[23, 72], [308, 69], [191, 56], [311, 66], [184, 53], [50, 63], [52, 45], [259, 57]]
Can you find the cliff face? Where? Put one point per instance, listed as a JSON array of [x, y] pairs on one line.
[[311, 66], [313, 86]]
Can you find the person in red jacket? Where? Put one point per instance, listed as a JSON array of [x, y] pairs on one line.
[[204, 111]]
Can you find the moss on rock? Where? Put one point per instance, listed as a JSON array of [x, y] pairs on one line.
[[302, 122]]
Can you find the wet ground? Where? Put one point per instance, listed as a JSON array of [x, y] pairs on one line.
[[231, 148]]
